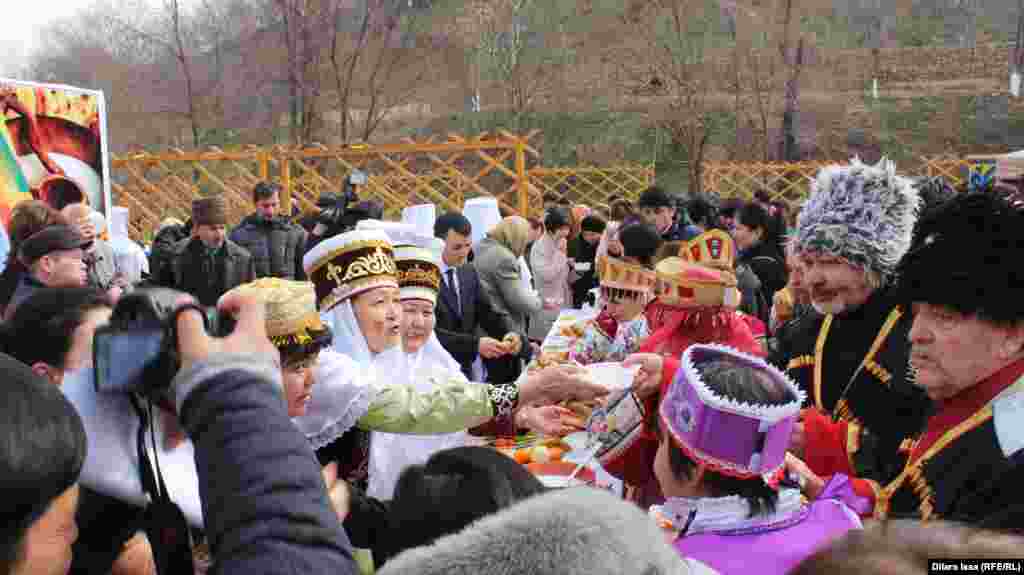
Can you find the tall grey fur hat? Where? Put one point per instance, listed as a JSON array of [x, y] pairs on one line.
[[860, 213], [578, 531]]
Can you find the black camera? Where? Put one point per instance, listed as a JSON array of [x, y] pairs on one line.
[[137, 351], [334, 207]]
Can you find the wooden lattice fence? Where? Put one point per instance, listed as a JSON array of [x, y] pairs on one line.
[[155, 186], [593, 185], [790, 182]]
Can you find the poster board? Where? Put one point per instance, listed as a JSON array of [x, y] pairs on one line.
[[1001, 167], [53, 145]]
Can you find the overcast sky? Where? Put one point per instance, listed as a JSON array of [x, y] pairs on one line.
[[17, 40]]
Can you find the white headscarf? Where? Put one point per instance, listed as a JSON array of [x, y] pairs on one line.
[[345, 378], [129, 257], [391, 453], [112, 464]]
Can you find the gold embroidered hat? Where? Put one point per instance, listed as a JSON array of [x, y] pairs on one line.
[[623, 279], [349, 264], [713, 248], [292, 318], [687, 285]]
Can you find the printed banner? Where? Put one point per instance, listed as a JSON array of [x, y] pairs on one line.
[[53, 146]]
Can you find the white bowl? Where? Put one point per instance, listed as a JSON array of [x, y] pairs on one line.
[[612, 375], [559, 481]]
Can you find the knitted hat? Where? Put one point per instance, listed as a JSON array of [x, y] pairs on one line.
[[734, 438], [210, 211], [860, 213], [291, 313], [965, 255], [349, 264]]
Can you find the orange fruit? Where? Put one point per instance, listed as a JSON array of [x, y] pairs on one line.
[[522, 456]]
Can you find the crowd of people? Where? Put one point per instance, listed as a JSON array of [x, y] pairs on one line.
[[830, 389]]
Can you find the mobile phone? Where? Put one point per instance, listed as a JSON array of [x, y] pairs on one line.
[[122, 356]]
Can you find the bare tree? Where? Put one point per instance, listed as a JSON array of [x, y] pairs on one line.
[[669, 59], [380, 63], [167, 31], [307, 27], [513, 53]]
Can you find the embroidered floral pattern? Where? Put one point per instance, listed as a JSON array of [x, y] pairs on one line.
[[503, 398]]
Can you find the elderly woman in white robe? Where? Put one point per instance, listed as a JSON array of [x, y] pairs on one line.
[[358, 294]]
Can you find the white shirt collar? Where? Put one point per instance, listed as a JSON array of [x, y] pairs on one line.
[[444, 269]]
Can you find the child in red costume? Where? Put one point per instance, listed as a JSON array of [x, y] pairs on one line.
[[700, 290]]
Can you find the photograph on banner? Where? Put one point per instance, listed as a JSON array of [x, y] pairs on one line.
[[53, 146]]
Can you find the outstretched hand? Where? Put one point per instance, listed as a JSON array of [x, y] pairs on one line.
[[647, 382], [549, 420], [559, 383], [811, 484]]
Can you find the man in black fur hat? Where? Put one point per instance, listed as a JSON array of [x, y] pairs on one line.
[[967, 352]]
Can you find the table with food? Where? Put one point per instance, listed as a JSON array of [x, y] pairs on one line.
[[568, 460]]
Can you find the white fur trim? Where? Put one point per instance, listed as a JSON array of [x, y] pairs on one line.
[[765, 413], [869, 218]]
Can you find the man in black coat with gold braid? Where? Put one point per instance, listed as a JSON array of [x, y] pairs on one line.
[[852, 361], [967, 352]]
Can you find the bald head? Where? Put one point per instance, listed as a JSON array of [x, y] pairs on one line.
[[78, 215], [75, 211]]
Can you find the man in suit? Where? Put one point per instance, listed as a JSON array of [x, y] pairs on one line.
[[464, 309]]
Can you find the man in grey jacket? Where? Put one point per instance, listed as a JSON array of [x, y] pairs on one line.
[[276, 244]]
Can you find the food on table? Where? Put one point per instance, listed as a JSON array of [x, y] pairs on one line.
[[582, 409], [574, 330], [531, 449]]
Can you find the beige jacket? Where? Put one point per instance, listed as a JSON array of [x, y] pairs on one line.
[[552, 278]]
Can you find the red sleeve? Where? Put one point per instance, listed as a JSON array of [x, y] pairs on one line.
[[828, 444], [635, 465], [867, 489]]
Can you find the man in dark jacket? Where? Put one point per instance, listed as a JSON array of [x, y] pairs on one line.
[[276, 244], [583, 249], [170, 233], [54, 257], [659, 209], [464, 310], [209, 264]]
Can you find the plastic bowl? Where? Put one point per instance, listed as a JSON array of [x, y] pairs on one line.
[[612, 375]]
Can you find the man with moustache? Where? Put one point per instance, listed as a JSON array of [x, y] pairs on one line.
[[967, 353], [852, 360]]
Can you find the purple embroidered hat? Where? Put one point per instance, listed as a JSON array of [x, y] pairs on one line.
[[732, 438]]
